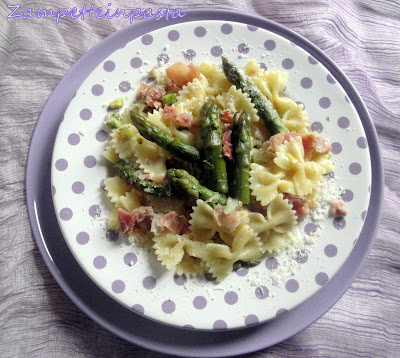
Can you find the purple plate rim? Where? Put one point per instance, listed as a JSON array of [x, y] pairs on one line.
[[139, 330]]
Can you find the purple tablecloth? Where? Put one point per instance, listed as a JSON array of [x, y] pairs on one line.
[[38, 319]]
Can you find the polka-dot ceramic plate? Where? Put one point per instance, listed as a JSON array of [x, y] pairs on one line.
[[132, 276]]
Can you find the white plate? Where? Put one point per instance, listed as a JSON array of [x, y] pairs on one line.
[[248, 296]]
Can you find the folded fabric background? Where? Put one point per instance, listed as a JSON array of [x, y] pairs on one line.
[[38, 319]]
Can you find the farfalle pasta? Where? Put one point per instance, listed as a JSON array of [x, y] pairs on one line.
[[219, 121]]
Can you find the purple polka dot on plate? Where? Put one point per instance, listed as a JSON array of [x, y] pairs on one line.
[[343, 122], [330, 79], [301, 258], [188, 326], [231, 297], [317, 127], [89, 161], [173, 35], [339, 222], [292, 285], [216, 51], [99, 262], [163, 57], [53, 190], [200, 31], [347, 195], [355, 168], [101, 136], [138, 308], [312, 60], [109, 66], [242, 272], [330, 250], [147, 39], [149, 282], [287, 64], [347, 99], [252, 28], [324, 102], [251, 320], [363, 215], [362, 142], [94, 211], [82, 238], [66, 214], [336, 148], [304, 106], [150, 80], [74, 139], [261, 292], [199, 302], [118, 286], [124, 86], [61, 164], [310, 228], [209, 277], [136, 62], [306, 82], [263, 66], [85, 114], [219, 324], [180, 280], [189, 55], [130, 259], [78, 187], [321, 278], [271, 263], [270, 45], [280, 311], [102, 185], [226, 29], [168, 306], [97, 90], [112, 235], [243, 48]]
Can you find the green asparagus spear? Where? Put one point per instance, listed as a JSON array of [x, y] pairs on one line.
[[186, 186], [214, 163], [264, 107], [241, 141], [154, 134], [130, 175]]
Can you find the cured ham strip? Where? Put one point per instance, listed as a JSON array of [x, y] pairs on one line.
[[178, 224], [136, 219], [299, 205]]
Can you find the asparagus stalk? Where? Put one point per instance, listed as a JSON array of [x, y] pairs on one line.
[[154, 134], [241, 141], [264, 107], [131, 176], [186, 186], [214, 163]]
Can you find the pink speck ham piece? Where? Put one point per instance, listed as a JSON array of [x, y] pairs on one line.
[[299, 205], [139, 218], [170, 112], [184, 120], [338, 208], [226, 119], [178, 224], [153, 94]]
